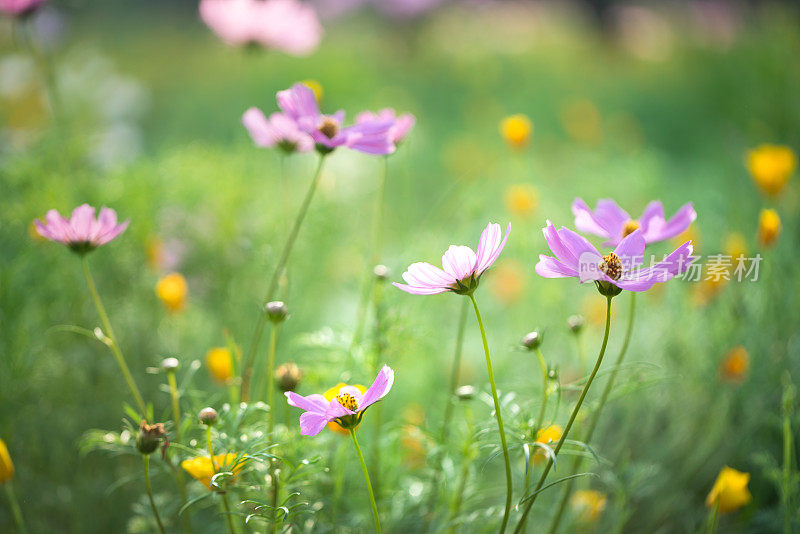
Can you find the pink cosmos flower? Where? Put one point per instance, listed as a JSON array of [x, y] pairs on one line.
[[576, 257], [402, 124], [610, 221], [277, 130], [288, 25], [82, 232], [370, 137], [463, 267], [346, 408], [19, 7]]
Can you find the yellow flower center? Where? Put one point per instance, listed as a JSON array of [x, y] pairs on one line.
[[612, 266], [329, 128], [630, 227], [348, 401]]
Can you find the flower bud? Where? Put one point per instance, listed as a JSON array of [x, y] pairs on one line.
[[170, 364], [150, 437], [465, 393], [381, 272], [276, 311], [288, 376], [208, 416], [532, 340], [575, 323]]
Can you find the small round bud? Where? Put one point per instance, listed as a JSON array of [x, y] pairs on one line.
[[575, 323], [150, 437], [465, 393], [170, 364], [288, 376], [532, 340], [381, 272], [276, 311], [208, 416]]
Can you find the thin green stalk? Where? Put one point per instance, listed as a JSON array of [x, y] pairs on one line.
[[176, 418], [276, 275], [542, 411], [509, 482], [369, 484], [228, 514], [713, 518], [377, 359], [375, 254], [223, 494], [466, 462], [273, 339], [571, 421], [576, 462], [15, 509], [786, 479], [109, 332], [455, 371], [146, 458]]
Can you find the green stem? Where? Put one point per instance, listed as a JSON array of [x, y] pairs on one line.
[[462, 484], [571, 421], [223, 494], [109, 332], [146, 458], [228, 514], [15, 509], [509, 483], [713, 518], [374, 256], [276, 275], [576, 462], [176, 418], [455, 371], [545, 380], [369, 484], [273, 337], [786, 482]]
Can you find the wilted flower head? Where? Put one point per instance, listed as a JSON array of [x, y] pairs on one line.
[[771, 166], [532, 340], [288, 376], [730, 490], [371, 137], [220, 363], [150, 437], [277, 130], [399, 130], [576, 257], [575, 323], [466, 392], [346, 408], [203, 468], [588, 504], [172, 290], [613, 223], [170, 364], [6, 465], [208, 416], [82, 232], [769, 227], [276, 311], [735, 364], [287, 25], [463, 267], [516, 130], [19, 7]]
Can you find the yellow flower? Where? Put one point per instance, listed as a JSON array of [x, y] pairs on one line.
[[771, 166], [6, 465], [546, 436], [582, 122], [315, 86], [729, 491], [329, 395], [220, 363], [735, 364], [588, 504], [201, 468], [735, 246], [769, 227], [172, 290], [516, 130], [521, 199]]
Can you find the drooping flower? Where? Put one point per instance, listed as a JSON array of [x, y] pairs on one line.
[[172, 290], [18, 8], [402, 123], [735, 364], [463, 267], [220, 363], [6, 465], [516, 130], [576, 257], [287, 25], [546, 436], [346, 408], [730, 490], [202, 469], [370, 137], [277, 130], [769, 227], [613, 223], [521, 199], [82, 232], [588, 505], [771, 166]]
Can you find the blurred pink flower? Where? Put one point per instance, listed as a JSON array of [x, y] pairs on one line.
[[288, 25], [82, 232], [399, 130], [277, 130], [463, 267], [370, 137], [19, 7]]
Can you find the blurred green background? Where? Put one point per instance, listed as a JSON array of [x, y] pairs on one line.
[[660, 102]]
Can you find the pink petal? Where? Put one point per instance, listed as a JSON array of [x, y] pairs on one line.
[[379, 388], [550, 267], [313, 403], [631, 250], [312, 423], [459, 261]]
